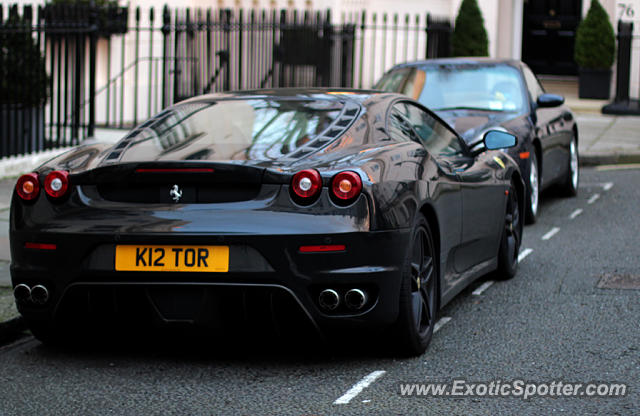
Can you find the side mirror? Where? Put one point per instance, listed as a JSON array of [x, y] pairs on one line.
[[550, 100], [496, 139]]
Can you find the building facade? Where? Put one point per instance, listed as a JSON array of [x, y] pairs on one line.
[[131, 82]]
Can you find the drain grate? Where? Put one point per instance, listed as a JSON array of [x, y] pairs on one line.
[[619, 281]]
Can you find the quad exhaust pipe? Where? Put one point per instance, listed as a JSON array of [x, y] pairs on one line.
[[38, 294], [354, 299], [22, 292], [329, 299]]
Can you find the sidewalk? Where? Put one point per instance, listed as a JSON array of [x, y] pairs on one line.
[[606, 140], [603, 139]]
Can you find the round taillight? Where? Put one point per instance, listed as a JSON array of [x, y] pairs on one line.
[[56, 183], [346, 185], [306, 184], [28, 186]]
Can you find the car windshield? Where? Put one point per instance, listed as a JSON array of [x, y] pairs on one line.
[[462, 86], [246, 129]]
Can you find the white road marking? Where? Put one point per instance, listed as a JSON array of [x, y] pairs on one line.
[[440, 323], [366, 401], [593, 198], [524, 253], [551, 233], [359, 386], [575, 213], [486, 285], [618, 167], [604, 185]]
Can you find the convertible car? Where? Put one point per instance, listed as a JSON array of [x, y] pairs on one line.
[[239, 211], [477, 94]]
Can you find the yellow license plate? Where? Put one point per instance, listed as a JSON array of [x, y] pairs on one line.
[[145, 258]]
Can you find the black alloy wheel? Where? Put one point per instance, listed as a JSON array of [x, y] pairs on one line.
[[511, 237], [419, 292], [45, 333], [570, 185], [533, 189]]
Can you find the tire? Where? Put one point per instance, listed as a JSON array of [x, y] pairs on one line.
[[45, 333], [571, 181], [61, 336], [511, 238], [418, 292], [533, 190]]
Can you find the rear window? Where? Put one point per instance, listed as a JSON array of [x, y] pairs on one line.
[[252, 129]]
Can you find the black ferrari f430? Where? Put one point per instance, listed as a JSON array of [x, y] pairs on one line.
[[348, 209]]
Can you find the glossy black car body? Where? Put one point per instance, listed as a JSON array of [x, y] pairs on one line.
[[173, 183], [508, 96]]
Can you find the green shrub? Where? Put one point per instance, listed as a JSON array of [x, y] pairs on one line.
[[469, 36], [70, 14], [595, 41], [23, 78]]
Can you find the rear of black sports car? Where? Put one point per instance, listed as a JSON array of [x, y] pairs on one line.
[[160, 230]]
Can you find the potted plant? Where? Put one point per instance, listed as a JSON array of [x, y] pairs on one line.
[[110, 18], [24, 86], [469, 36], [595, 52]]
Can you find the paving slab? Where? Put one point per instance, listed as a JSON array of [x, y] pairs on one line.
[[4, 237], [5, 274], [8, 308]]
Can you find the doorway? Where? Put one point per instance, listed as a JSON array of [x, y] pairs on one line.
[[548, 38]]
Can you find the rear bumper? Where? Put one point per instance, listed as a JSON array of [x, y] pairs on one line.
[[81, 277]]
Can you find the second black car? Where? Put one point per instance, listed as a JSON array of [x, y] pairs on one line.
[[478, 94]]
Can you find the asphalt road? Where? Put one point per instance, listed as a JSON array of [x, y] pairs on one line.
[[550, 323]]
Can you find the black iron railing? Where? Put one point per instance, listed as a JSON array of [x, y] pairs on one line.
[[112, 67], [47, 58]]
